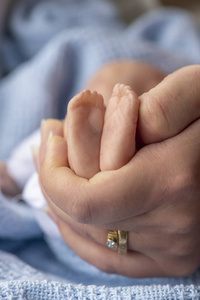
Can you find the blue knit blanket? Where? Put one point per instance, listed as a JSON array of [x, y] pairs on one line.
[[48, 52]]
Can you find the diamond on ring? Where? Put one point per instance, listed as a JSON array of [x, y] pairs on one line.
[[117, 240], [111, 243], [112, 239]]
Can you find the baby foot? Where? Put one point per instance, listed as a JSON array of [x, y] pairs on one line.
[[84, 124], [118, 138]]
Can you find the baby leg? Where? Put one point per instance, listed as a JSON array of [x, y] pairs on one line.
[[83, 130], [118, 138]]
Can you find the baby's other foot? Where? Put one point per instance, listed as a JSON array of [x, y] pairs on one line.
[[118, 138], [84, 124]]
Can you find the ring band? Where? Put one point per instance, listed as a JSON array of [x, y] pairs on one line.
[[117, 240], [123, 241]]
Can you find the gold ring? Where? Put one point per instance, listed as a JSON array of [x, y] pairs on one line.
[[122, 241], [117, 240], [112, 239]]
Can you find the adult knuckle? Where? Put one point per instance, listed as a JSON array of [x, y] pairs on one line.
[[186, 182], [80, 212], [81, 209], [156, 116]]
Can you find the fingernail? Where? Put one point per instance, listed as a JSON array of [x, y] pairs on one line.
[[49, 137], [42, 123], [35, 155], [50, 213], [34, 150]]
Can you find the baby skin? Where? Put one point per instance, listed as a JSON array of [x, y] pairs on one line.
[[99, 139]]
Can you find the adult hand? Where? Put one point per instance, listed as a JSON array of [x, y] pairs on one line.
[[155, 196]]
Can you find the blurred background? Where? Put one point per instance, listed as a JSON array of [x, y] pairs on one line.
[[131, 9]]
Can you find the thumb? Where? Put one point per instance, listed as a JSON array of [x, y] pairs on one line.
[[171, 106]]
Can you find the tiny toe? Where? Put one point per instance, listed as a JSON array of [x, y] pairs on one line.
[[118, 138]]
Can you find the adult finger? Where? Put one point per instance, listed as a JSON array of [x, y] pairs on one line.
[[99, 200], [49, 127], [133, 264], [181, 204], [171, 106], [140, 236], [137, 241], [86, 200]]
